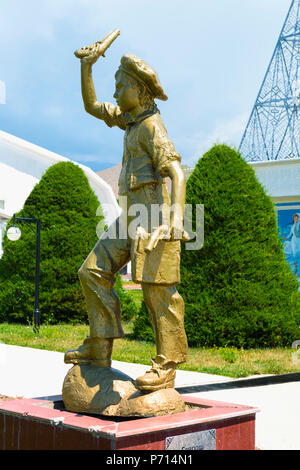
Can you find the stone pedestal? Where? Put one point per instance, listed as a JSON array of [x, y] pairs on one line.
[[44, 424]]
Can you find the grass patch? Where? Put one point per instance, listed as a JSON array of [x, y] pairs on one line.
[[230, 362], [238, 363], [50, 337]]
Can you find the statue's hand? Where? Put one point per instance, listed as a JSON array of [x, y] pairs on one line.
[[164, 232], [160, 233], [177, 231], [92, 54]]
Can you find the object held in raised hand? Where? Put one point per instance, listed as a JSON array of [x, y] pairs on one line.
[[99, 46]]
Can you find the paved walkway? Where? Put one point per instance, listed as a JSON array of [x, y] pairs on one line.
[[32, 373]]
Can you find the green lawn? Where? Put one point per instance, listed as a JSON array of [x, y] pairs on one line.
[[220, 361]]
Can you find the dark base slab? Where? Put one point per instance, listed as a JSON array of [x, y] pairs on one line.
[[44, 424]]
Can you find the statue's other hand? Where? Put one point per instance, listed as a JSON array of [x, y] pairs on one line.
[[164, 232], [179, 234], [160, 233], [177, 231]]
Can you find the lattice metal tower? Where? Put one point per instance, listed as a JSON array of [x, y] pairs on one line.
[[273, 130]]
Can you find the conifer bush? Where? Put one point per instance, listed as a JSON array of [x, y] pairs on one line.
[[238, 289], [66, 206]]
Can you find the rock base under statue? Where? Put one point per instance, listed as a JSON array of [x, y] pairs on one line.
[[109, 392]]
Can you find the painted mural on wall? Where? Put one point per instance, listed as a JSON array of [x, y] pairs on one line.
[[289, 232]]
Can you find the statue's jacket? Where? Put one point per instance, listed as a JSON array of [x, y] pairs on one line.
[[147, 148], [148, 151]]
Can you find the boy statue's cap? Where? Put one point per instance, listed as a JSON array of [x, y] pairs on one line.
[[144, 73]]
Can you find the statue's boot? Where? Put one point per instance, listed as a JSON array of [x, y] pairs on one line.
[[161, 375], [95, 351]]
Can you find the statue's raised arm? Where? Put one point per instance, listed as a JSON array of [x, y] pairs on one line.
[[88, 55]]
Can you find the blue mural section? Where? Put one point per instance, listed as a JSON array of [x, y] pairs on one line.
[[288, 216]]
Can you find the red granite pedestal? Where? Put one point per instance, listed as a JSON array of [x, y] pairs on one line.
[[43, 424]]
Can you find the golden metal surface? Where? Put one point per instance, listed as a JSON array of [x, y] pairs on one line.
[[99, 47], [149, 157], [109, 392]]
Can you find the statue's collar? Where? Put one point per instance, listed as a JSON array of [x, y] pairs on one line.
[[131, 122]]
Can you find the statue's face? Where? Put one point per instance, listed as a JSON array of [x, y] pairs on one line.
[[295, 219], [126, 94]]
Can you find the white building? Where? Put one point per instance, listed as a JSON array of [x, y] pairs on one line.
[[3, 221], [22, 165], [281, 179]]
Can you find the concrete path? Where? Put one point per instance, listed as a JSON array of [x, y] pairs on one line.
[[31, 373]]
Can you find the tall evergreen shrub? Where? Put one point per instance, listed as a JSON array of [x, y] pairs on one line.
[[238, 289], [66, 206]]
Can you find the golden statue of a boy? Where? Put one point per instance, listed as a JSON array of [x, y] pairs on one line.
[[149, 157]]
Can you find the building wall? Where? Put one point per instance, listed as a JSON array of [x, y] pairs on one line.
[[15, 186], [281, 179], [3, 222]]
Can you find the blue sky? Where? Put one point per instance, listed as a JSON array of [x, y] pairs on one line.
[[211, 58]]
